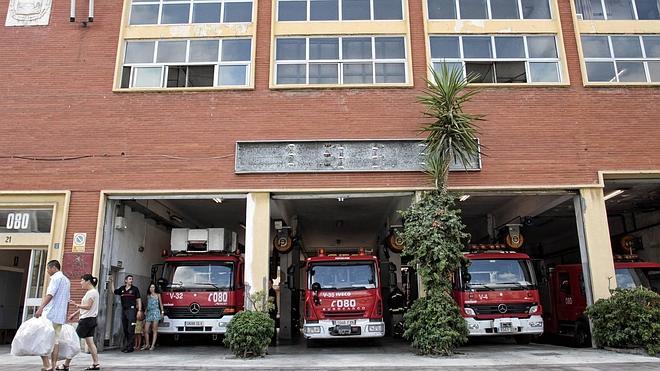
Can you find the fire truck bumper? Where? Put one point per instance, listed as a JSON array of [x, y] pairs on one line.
[[505, 326], [360, 328], [194, 325]]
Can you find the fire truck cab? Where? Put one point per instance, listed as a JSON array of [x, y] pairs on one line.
[[497, 294], [343, 297], [201, 283]]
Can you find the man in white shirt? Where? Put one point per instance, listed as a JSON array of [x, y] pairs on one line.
[[55, 306]]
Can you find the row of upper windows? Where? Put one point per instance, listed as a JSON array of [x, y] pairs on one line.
[[240, 11]]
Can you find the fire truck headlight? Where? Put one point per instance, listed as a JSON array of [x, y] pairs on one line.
[[533, 309], [222, 324], [469, 311], [313, 329], [473, 326], [375, 328], [536, 324], [164, 324]]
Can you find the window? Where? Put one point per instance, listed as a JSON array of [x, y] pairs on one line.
[[341, 60], [190, 11], [489, 9], [618, 9], [339, 10], [622, 58], [186, 63], [499, 59]]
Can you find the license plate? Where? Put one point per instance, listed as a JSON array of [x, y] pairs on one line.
[[194, 323], [344, 322], [344, 330], [506, 327]]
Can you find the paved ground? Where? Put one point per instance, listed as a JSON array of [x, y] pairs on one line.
[[386, 355]]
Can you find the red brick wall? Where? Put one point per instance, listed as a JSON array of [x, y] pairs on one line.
[[56, 100]]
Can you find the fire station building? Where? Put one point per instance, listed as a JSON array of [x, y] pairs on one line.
[[297, 122]]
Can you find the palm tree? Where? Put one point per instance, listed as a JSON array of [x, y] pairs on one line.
[[452, 133]]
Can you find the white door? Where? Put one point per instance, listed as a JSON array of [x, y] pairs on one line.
[[35, 286]]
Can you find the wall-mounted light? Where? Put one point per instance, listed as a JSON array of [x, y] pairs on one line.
[[217, 200], [612, 194], [463, 198]]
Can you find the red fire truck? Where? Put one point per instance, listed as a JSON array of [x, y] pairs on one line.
[[564, 313], [201, 282], [498, 294], [343, 297]]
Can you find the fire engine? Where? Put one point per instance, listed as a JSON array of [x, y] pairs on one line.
[[343, 297], [497, 293], [201, 282]]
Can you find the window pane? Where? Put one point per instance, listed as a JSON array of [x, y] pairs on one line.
[[442, 9], [504, 9], [126, 77], [232, 75], [652, 46], [595, 47], [541, 47], [445, 47], [626, 47], [206, 13], [390, 73], [200, 76], [203, 51], [390, 48], [450, 66], [144, 14], [509, 47], [482, 70], [544, 72], [631, 71], [175, 13], [356, 48], [290, 49], [477, 47], [654, 71], [176, 77], [324, 10], [324, 73], [139, 52], [292, 11], [235, 50], [648, 9], [535, 9], [237, 12], [510, 72], [600, 71], [171, 51], [291, 74], [323, 48], [473, 9], [388, 9], [358, 73], [590, 9], [146, 77], [619, 9], [355, 9]]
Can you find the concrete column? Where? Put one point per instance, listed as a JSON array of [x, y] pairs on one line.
[[257, 242], [595, 247]]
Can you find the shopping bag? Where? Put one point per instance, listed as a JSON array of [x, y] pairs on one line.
[[69, 343], [35, 337]]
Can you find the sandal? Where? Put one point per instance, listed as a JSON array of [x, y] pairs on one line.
[[62, 367], [94, 367]]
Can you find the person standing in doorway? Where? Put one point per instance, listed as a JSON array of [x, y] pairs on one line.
[[154, 315], [272, 312], [131, 310], [55, 306]]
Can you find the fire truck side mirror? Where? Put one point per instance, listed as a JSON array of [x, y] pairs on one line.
[[316, 287]]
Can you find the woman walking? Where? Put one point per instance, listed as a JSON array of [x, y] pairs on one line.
[[88, 310], [154, 314]]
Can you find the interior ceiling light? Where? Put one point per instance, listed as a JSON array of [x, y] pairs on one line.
[[218, 200], [613, 194], [463, 198]]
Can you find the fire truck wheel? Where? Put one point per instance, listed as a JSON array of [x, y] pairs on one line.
[[523, 339], [582, 336], [312, 343]]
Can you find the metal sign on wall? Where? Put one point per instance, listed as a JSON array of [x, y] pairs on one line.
[[334, 156]]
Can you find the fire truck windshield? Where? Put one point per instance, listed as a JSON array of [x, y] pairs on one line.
[[199, 276], [491, 274], [343, 276], [630, 278]]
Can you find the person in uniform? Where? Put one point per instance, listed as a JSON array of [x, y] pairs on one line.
[[131, 310]]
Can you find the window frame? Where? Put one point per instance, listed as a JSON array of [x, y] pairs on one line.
[[490, 13], [160, 4], [494, 59], [644, 59], [340, 61], [605, 11], [339, 13], [164, 66]]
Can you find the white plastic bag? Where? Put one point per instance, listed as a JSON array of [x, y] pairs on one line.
[[35, 337], [69, 343]]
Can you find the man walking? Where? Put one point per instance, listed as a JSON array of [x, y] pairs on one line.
[[131, 309], [55, 306]]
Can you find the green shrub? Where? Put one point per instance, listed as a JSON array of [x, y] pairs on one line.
[[630, 318], [249, 333]]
